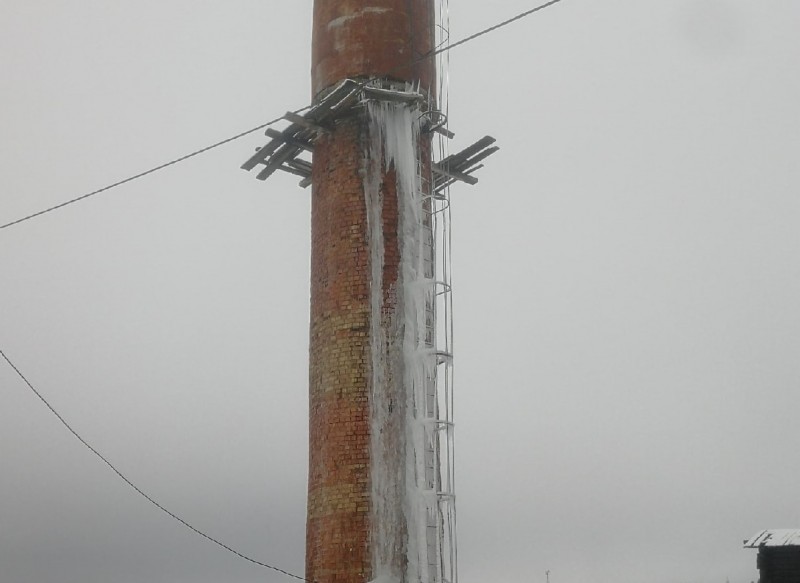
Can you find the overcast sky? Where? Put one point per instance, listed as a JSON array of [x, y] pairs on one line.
[[626, 287]]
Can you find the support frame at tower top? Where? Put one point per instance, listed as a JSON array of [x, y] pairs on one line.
[[286, 147]]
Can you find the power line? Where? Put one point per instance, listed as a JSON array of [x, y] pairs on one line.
[[428, 55], [145, 173], [139, 490], [493, 28]]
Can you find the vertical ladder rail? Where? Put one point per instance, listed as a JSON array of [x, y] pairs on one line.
[[437, 411]]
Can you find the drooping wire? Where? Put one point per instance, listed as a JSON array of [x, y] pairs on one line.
[[431, 54], [139, 490], [146, 172]]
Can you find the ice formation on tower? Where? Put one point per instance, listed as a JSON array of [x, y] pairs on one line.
[[406, 517]]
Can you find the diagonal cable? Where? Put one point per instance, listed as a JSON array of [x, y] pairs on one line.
[[146, 172], [139, 490], [493, 28]]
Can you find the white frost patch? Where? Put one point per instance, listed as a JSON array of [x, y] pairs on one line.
[[338, 22]]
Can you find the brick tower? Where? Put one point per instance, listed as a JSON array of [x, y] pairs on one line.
[[381, 502], [354, 39]]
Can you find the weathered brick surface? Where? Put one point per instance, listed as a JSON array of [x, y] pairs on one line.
[[338, 478], [352, 38], [375, 38]]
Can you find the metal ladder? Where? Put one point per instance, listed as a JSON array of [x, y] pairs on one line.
[[436, 413]]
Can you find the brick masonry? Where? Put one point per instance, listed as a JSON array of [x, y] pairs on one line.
[[371, 38], [352, 38], [339, 440]]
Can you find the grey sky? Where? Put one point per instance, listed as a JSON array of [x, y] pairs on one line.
[[626, 290]]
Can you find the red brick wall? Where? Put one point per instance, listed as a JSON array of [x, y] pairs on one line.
[[339, 441], [349, 41], [339, 507], [371, 38]]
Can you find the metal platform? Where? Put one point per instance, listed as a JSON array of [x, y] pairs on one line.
[[285, 149]]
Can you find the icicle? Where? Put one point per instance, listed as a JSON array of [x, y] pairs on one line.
[[386, 533], [401, 360]]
